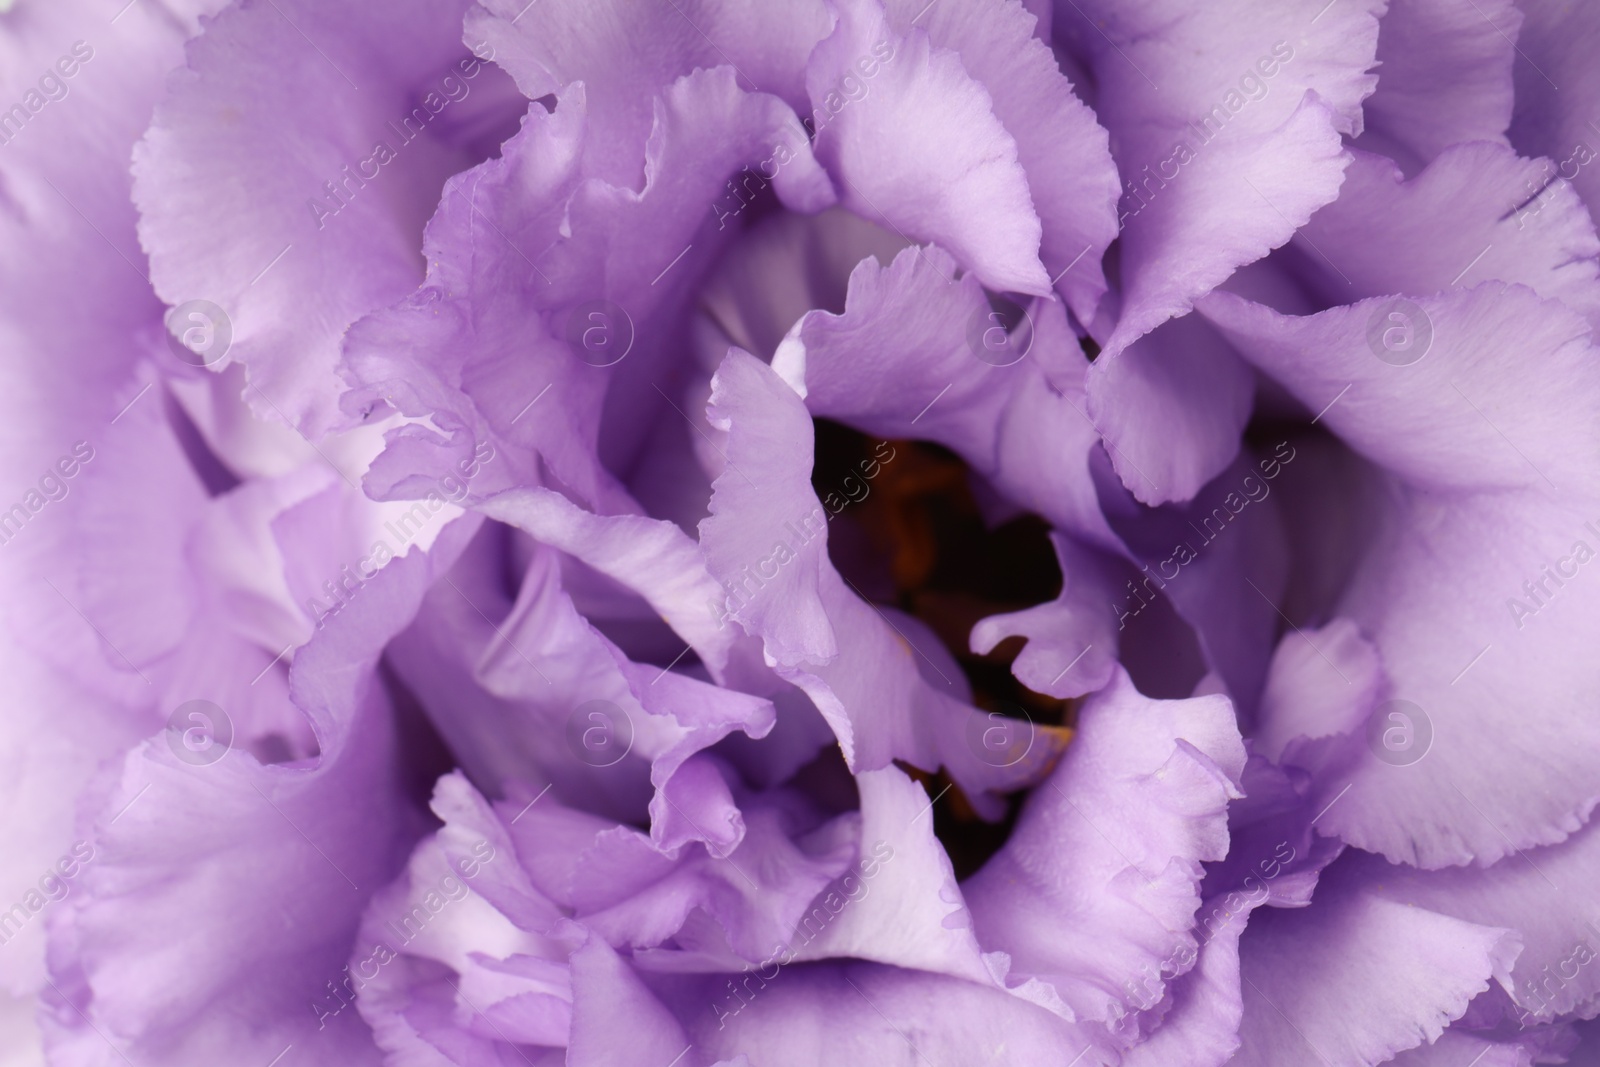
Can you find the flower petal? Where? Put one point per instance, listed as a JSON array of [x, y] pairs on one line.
[[238, 883], [545, 278], [1122, 877], [910, 911], [615, 1017], [1458, 1045], [860, 669], [1476, 212], [1444, 76], [1552, 975], [869, 1013], [650, 556], [920, 148], [1468, 517], [1171, 407], [917, 353], [1072, 646], [1322, 682], [1358, 977], [1071, 179], [1554, 83], [1207, 196], [237, 149]]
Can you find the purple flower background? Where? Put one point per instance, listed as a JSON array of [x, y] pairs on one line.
[[706, 532]]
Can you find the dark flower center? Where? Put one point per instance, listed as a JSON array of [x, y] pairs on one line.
[[906, 529]]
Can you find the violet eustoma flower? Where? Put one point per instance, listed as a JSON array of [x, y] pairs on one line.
[[844, 531]]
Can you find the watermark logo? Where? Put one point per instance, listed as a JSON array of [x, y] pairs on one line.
[[1140, 190], [1252, 489], [599, 733], [404, 529], [1551, 580], [54, 86], [1399, 332], [1000, 336], [53, 486], [340, 191], [199, 332], [1538, 191], [850, 888], [742, 588], [404, 926], [1000, 740], [54, 884], [1541, 994], [599, 332], [1399, 733], [199, 733]]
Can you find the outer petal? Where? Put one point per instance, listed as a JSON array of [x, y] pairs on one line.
[[1066, 154], [869, 1013], [283, 906], [921, 148], [67, 229], [238, 149], [1122, 877], [1358, 977], [1468, 518], [1555, 85], [1475, 213], [1555, 972], [1444, 76], [910, 913], [1222, 161]]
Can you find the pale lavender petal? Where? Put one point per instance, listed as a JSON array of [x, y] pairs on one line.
[[1093, 892], [895, 150], [1444, 76], [1468, 509]]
